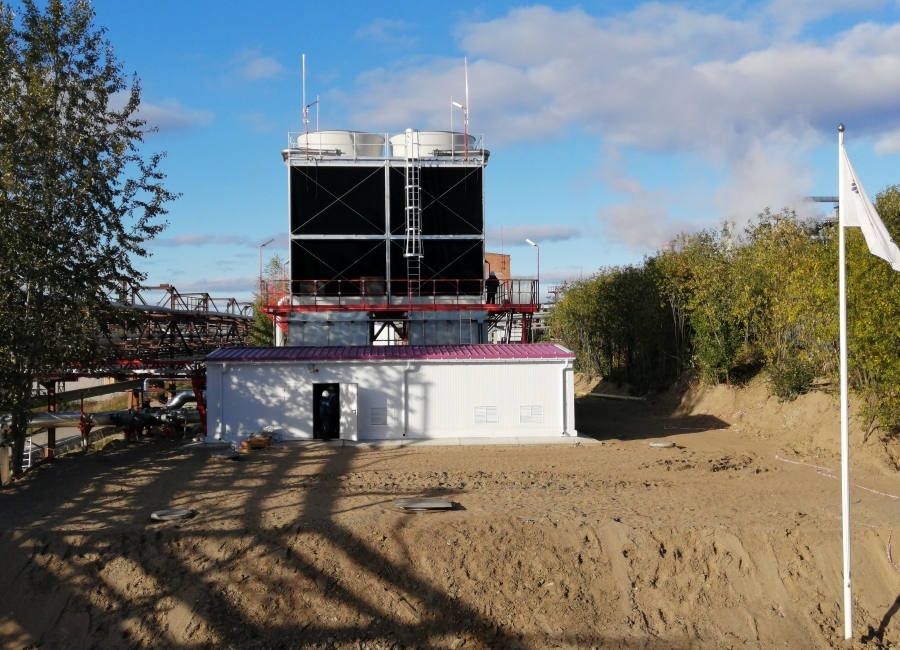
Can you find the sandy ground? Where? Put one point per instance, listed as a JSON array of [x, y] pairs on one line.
[[715, 543]]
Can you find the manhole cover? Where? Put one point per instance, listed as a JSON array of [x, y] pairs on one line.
[[423, 504], [169, 515]]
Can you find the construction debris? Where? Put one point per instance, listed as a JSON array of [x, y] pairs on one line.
[[257, 441]]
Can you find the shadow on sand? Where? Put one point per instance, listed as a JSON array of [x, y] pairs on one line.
[[83, 567], [610, 419]]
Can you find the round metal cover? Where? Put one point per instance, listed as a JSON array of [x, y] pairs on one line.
[[421, 505], [169, 515]]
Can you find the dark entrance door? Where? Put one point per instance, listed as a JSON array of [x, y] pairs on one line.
[[326, 419]]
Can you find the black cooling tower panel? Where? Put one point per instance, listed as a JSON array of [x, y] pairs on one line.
[[337, 260], [451, 200], [331, 200], [442, 259]]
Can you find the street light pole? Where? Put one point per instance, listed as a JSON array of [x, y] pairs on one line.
[[538, 269], [260, 262]]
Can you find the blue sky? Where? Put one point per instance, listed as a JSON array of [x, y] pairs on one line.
[[612, 125]]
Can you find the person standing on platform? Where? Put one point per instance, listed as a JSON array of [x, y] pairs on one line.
[[491, 285]]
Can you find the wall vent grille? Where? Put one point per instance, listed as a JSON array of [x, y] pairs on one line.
[[533, 414], [378, 416], [487, 415]]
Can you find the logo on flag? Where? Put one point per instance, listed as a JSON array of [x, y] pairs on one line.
[[853, 187]]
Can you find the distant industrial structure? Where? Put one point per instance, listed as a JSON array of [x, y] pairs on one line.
[[156, 334]]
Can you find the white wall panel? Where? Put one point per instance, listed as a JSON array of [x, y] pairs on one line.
[[440, 399]]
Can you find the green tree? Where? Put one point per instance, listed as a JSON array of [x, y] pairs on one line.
[[262, 334], [785, 274], [77, 198], [873, 314], [618, 325], [709, 280]]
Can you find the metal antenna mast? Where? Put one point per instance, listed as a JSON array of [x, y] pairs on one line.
[[305, 114], [465, 110], [306, 108]]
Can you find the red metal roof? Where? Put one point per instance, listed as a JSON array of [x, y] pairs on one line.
[[394, 352]]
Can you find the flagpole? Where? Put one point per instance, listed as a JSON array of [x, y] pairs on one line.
[[845, 410]]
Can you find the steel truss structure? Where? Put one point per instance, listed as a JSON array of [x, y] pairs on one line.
[[158, 331], [155, 332], [161, 327]]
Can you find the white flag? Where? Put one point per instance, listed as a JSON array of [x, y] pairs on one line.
[[857, 210]]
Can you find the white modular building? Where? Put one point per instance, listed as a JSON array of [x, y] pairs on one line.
[[392, 392]]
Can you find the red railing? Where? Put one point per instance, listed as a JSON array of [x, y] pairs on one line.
[[370, 294]]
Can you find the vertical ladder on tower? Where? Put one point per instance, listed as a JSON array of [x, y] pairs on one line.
[[413, 251], [465, 328]]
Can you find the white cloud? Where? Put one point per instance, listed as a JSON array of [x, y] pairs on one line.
[[224, 283], [207, 239], [516, 235], [641, 224], [741, 96], [387, 32], [767, 170], [168, 115], [171, 115], [641, 220], [889, 143], [200, 239], [251, 65], [791, 15]]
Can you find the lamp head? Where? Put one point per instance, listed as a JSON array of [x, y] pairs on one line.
[[457, 105], [530, 242]]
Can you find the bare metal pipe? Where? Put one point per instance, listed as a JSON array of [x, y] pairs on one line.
[[181, 399]]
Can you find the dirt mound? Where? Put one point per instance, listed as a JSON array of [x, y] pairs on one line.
[[807, 427], [585, 385], [714, 543]]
